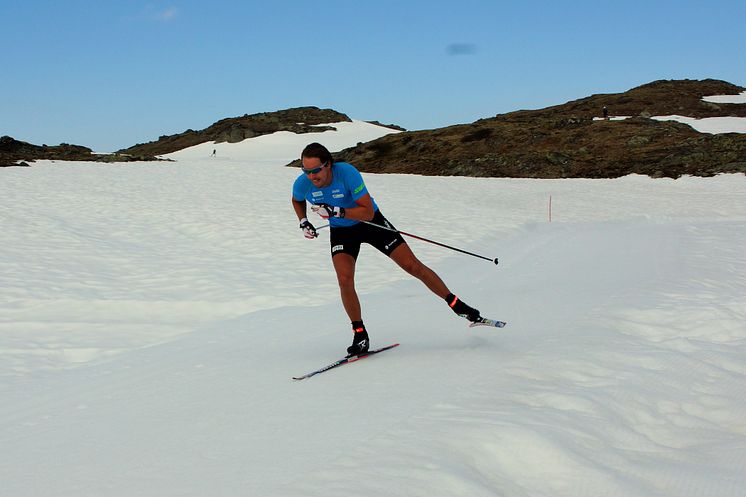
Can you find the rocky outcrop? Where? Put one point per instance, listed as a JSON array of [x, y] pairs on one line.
[[15, 153], [236, 129], [562, 141], [232, 130], [565, 141]]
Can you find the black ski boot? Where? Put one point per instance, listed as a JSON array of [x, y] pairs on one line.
[[360, 341], [463, 310]]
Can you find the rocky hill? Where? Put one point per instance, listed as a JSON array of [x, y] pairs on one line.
[[565, 141], [561, 141], [236, 129], [15, 153], [232, 130]]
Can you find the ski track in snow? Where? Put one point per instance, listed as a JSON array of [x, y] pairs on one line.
[[153, 314]]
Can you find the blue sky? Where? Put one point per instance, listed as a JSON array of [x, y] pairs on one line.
[[109, 74]]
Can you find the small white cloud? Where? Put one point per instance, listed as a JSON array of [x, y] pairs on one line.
[[159, 14], [168, 14]]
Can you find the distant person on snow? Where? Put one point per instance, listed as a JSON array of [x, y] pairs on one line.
[[336, 192], [606, 112]]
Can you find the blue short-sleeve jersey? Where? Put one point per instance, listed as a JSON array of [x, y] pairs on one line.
[[346, 187]]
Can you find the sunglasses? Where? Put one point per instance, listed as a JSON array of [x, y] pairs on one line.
[[315, 170]]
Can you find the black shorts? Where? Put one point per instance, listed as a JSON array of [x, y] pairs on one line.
[[347, 240]]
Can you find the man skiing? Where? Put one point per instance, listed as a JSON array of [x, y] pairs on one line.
[[337, 192]]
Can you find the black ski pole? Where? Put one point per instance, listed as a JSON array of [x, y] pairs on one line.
[[433, 242]]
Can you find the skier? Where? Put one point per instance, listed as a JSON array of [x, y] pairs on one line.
[[337, 192]]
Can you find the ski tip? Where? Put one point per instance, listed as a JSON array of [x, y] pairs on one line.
[[386, 347], [489, 322]]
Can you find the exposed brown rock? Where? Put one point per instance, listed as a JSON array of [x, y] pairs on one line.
[[236, 129], [14, 152], [565, 142]]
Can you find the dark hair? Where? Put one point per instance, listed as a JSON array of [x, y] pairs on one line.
[[317, 151]]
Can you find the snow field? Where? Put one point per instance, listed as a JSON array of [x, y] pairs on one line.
[[152, 316]]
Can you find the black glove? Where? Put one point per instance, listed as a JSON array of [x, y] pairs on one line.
[[308, 230], [326, 211]]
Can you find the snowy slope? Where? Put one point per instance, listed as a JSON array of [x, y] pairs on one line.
[[151, 317], [712, 125], [727, 99]]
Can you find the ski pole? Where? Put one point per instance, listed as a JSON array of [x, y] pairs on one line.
[[433, 242]]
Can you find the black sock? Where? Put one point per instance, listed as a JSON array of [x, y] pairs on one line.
[[450, 299]]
